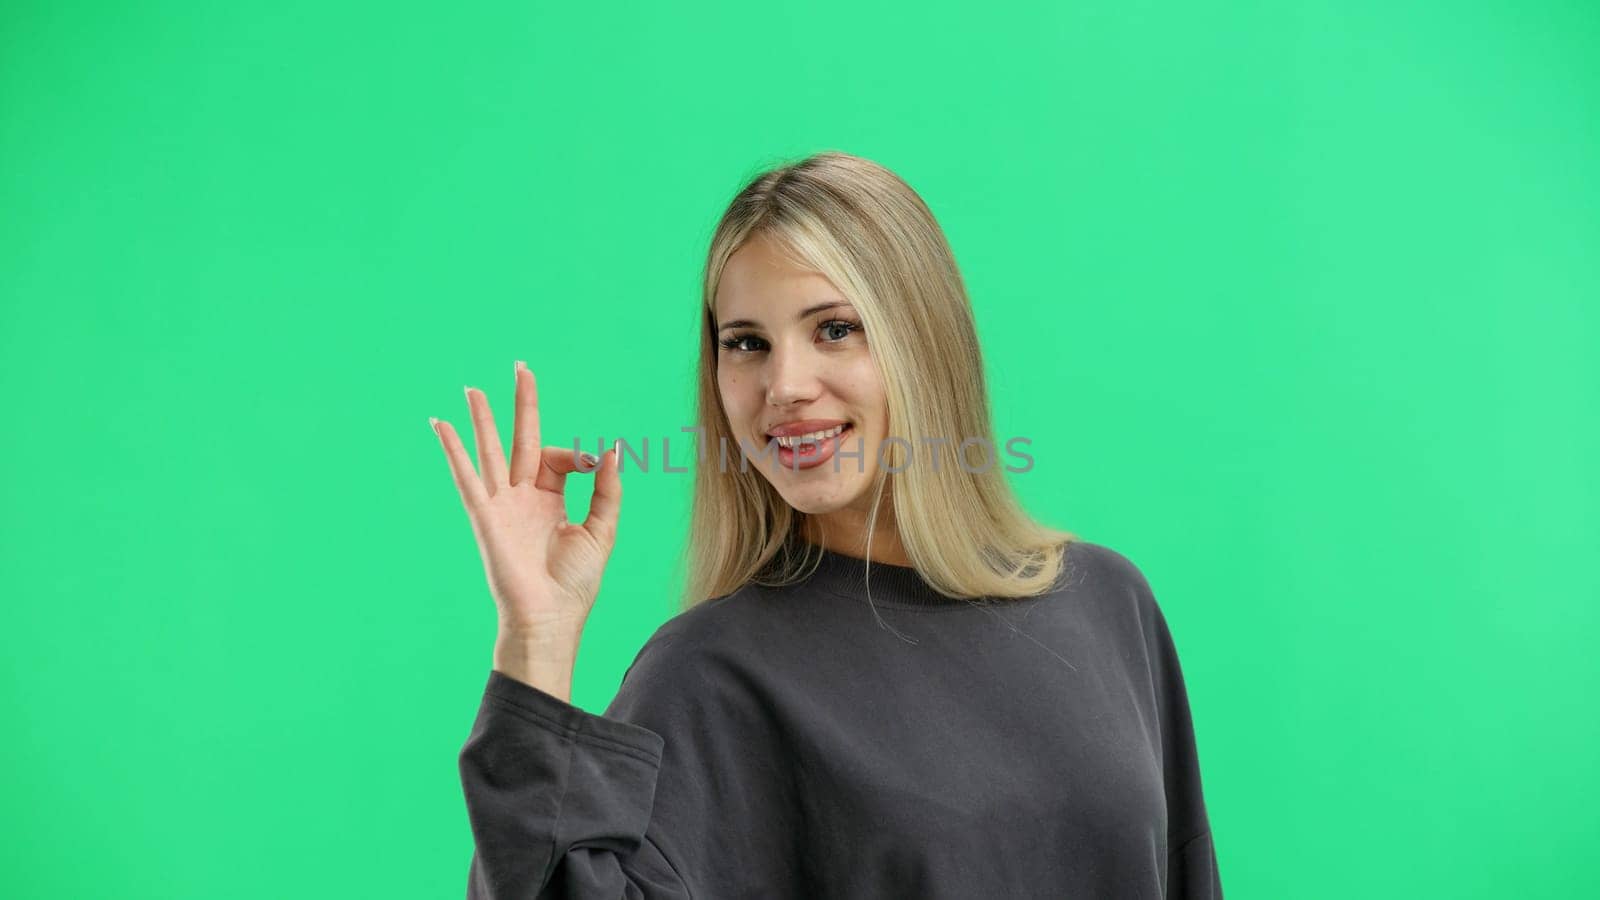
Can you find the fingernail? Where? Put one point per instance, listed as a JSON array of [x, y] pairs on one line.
[[520, 365], [589, 459], [616, 451], [434, 424], [467, 389]]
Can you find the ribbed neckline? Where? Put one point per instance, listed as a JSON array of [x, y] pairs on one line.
[[891, 585]]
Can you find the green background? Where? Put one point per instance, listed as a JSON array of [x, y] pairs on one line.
[[1297, 303]]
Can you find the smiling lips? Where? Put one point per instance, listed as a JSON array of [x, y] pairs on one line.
[[812, 437], [808, 451], [801, 427]]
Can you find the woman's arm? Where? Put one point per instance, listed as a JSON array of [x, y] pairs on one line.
[[560, 801], [1191, 856]]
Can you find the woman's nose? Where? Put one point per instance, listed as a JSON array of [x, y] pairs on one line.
[[791, 378]]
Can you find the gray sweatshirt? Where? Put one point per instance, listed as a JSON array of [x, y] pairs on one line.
[[801, 742]]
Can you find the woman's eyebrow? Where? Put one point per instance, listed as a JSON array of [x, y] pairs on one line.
[[744, 323]]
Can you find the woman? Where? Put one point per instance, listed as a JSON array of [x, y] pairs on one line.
[[844, 707]]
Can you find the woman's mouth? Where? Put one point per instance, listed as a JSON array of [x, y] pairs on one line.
[[808, 453]]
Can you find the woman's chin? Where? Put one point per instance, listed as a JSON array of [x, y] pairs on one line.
[[840, 491]]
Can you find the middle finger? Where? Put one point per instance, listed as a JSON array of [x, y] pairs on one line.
[[525, 427]]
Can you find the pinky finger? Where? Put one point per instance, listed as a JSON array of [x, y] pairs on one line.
[[467, 481]]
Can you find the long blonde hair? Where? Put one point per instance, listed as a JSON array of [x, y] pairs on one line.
[[876, 240]]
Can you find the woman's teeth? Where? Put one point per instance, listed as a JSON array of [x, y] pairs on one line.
[[813, 437]]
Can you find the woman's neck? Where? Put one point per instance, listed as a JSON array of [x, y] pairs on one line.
[[846, 533]]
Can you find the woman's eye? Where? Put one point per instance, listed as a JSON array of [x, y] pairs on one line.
[[849, 327], [733, 343], [837, 330]]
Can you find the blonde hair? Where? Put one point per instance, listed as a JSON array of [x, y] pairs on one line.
[[872, 235]]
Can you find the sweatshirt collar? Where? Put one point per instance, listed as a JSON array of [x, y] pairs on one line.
[[890, 585]]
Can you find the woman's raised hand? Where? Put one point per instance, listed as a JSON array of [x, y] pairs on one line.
[[543, 571]]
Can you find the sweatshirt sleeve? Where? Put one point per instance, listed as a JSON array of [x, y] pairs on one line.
[[1191, 857], [560, 801]]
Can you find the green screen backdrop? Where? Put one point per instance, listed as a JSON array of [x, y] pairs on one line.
[[1296, 302]]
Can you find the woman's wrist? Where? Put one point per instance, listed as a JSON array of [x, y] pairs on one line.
[[539, 662]]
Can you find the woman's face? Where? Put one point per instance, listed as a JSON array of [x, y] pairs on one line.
[[792, 351]]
